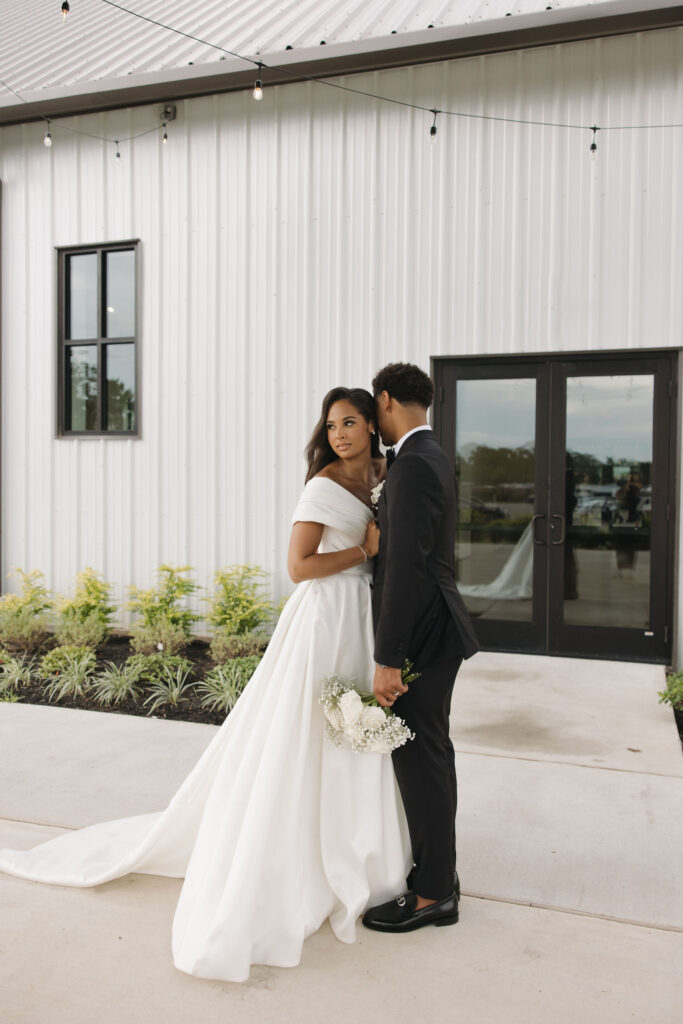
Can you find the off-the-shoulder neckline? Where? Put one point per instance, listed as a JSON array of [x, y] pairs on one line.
[[345, 489]]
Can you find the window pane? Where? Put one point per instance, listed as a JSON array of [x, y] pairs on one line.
[[120, 304], [608, 500], [82, 293], [496, 463], [120, 376], [81, 387]]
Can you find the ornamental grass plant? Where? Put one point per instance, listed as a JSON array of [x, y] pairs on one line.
[[68, 672], [15, 670], [170, 688], [222, 686], [117, 683]]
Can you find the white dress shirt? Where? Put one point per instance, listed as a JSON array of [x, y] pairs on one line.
[[405, 437]]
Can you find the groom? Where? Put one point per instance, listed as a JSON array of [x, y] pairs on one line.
[[420, 616]]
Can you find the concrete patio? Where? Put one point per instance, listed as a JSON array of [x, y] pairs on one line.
[[570, 855]]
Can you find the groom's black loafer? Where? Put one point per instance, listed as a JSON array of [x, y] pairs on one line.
[[400, 915]]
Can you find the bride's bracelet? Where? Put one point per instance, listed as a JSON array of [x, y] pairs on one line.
[[365, 554]]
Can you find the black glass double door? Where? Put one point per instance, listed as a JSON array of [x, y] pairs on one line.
[[565, 481]]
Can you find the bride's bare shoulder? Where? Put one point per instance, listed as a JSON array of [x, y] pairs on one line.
[[326, 473]]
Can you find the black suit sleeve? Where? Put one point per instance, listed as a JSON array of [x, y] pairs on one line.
[[415, 502]]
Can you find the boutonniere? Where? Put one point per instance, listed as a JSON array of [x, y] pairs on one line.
[[375, 493]]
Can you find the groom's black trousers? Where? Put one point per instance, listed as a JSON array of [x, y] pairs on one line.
[[425, 770]]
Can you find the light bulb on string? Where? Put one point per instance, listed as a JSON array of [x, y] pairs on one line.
[[118, 155], [258, 88], [65, 10], [432, 130], [165, 135], [594, 144], [47, 141]]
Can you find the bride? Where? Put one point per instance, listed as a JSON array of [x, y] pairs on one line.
[[276, 829]]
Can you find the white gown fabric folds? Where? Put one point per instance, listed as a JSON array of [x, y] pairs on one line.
[[275, 829]]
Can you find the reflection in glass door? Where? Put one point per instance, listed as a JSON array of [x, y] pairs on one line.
[[564, 471], [495, 466], [608, 498]]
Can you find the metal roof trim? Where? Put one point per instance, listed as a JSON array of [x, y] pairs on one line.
[[334, 60]]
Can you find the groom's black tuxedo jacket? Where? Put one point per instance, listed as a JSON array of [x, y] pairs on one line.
[[417, 610]]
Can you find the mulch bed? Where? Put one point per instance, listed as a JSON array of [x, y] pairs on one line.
[[118, 649]]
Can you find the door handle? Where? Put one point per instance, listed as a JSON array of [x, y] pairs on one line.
[[537, 515], [558, 515]]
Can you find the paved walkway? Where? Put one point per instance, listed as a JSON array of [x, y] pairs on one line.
[[570, 854]]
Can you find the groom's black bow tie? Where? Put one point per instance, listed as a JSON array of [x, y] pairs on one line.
[[391, 455]]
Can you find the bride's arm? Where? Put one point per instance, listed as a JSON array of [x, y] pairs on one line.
[[303, 562]]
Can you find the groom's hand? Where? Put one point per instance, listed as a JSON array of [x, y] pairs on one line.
[[388, 685]]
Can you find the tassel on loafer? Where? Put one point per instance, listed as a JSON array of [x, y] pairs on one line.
[[400, 915]]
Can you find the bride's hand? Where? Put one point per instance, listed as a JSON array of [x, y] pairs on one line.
[[371, 542]]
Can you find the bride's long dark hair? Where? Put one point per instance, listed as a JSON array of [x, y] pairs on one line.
[[319, 452]]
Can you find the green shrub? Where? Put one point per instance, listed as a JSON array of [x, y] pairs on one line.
[[237, 645], [170, 688], [9, 697], [150, 668], [70, 670], [85, 619], [163, 638], [222, 686], [15, 670], [673, 694], [238, 604], [163, 620], [23, 622], [115, 683]]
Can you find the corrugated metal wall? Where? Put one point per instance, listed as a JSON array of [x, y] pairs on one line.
[[302, 242]]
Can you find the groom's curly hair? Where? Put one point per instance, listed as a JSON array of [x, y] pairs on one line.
[[405, 382]]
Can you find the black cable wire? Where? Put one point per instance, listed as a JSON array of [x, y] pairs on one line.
[[362, 92]]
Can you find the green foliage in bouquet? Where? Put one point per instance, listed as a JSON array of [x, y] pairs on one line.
[[222, 686], [163, 620], [115, 683], [23, 622], [238, 604], [226, 647], [85, 619], [673, 694], [170, 688], [68, 671]]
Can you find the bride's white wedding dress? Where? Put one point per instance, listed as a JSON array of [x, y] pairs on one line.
[[275, 829]]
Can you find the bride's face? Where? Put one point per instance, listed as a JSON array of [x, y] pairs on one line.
[[347, 430]]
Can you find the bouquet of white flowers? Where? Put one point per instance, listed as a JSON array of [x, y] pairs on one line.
[[356, 716]]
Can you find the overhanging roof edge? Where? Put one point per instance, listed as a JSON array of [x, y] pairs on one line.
[[341, 59]]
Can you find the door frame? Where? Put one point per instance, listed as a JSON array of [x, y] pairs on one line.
[[556, 638]]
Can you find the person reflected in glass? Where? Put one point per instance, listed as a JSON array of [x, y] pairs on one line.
[[628, 497], [570, 503]]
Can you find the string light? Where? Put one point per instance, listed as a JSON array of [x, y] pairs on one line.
[[432, 130], [258, 88], [47, 141], [65, 10], [118, 155], [165, 135], [594, 144]]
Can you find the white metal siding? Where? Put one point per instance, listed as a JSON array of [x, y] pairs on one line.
[[302, 242]]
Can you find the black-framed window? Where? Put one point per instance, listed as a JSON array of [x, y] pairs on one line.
[[98, 340]]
